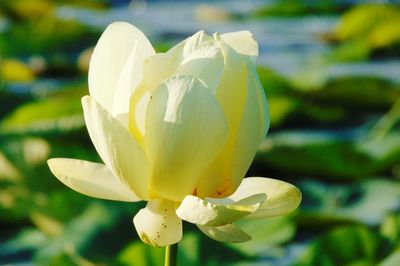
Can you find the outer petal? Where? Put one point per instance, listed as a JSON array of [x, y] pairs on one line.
[[185, 131], [229, 233], [119, 42], [282, 197], [252, 129], [217, 212], [242, 41], [131, 74], [231, 95], [119, 151], [91, 179], [234, 96], [157, 224]]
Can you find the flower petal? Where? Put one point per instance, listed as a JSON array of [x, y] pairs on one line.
[[131, 74], [202, 58], [242, 41], [156, 69], [198, 56], [91, 179], [184, 122], [118, 149], [217, 212], [157, 223], [282, 197], [228, 233], [252, 130], [217, 181], [119, 42]]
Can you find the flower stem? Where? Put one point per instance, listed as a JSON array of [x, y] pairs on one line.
[[171, 255]]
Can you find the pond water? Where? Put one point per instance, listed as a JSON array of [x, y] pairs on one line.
[[287, 45]]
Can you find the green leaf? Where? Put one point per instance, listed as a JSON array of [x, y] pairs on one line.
[[354, 245], [52, 115], [337, 154], [356, 202], [139, 253], [266, 234], [392, 260]]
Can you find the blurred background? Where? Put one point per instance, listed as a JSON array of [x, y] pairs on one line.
[[331, 70]]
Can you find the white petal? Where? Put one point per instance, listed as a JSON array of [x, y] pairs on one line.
[[119, 42], [118, 149], [228, 233], [156, 69], [185, 131], [217, 212], [157, 224], [202, 58], [218, 180], [242, 41], [282, 197], [198, 56], [252, 129], [131, 74], [91, 179]]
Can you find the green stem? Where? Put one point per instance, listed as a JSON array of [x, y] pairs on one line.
[[171, 255]]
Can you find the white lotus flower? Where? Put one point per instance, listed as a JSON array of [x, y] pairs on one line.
[[179, 130]]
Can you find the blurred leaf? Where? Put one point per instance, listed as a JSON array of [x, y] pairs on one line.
[[46, 224], [273, 83], [139, 253], [357, 50], [368, 207], [27, 9], [362, 19], [7, 170], [340, 154], [12, 70], [49, 38], [370, 26], [52, 115], [356, 202], [392, 260], [390, 228], [298, 8], [25, 153], [189, 249], [77, 234], [280, 108], [266, 234], [26, 239], [372, 93], [10, 100], [345, 246]]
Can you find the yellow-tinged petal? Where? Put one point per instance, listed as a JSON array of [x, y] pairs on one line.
[[157, 223], [252, 129], [242, 41], [282, 197], [198, 56], [228, 233], [218, 180], [217, 212], [185, 131], [156, 69], [91, 179], [118, 149], [120, 42], [131, 74]]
